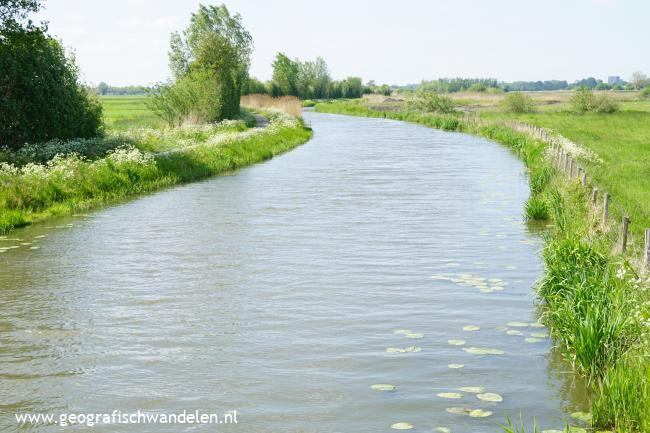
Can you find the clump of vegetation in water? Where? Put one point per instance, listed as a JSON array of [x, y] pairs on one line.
[[585, 101], [517, 102], [536, 209]]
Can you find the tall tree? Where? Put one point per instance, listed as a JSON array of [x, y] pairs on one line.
[[639, 79], [285, 75], [218, 42]]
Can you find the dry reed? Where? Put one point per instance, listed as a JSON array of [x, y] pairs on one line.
[[289, 104]]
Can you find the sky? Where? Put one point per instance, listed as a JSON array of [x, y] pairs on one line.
[[125, 42]]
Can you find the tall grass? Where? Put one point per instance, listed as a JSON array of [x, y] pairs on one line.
[[288, 104]]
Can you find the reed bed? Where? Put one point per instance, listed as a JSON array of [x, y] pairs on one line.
[[288, 104]]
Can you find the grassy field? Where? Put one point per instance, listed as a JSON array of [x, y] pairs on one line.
[[594, 303], [125, 112]]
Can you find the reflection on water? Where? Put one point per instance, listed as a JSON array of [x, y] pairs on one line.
[[277, 292]]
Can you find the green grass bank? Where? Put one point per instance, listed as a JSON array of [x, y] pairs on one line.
[[596, 305], [61, 178]]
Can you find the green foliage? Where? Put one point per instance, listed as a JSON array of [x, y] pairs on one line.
[[195, 98], [511, 427], [622, 399], [645, 92], [313, 79], [517, 102], [585, 101], [536, 209], [452, 85], [14, 11], [430, 102], [40, 95], [285, 75], [540, 177], [217, 46]]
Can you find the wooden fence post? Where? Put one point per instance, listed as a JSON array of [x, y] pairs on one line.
[[605, 208], [584, 178], [571, 168], [594, 196], [624, 228], [646, 251]]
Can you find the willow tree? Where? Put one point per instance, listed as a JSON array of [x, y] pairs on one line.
[[217, 43]]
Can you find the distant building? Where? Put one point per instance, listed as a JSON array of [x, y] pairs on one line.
[[614, 80]]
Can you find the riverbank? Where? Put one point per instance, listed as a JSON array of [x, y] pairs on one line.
[[39, 183], [593, 301]]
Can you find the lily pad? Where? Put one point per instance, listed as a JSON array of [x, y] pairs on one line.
[[452, 395], [539, 334], [517, 324], [471, 328], [472, 389], [395, 350], [402, 426], [536, 325], [489, 396], [402, 331], [456, 410], [413, 349], [552, 431], [480, 351], [479, 413], [414, 335], [533, 340], [456, 366], [443, 429], [383, 387], [456, 342], [582, 416], [514, 332]]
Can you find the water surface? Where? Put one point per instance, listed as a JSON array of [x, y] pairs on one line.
[[277, 290]]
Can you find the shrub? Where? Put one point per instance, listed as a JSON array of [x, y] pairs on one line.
[[585, 101], [195, 98], [40, 95], [430, 102], [645, 92], [517, 102], [536, 209]]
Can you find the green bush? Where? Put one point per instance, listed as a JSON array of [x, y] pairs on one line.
[[645, 92], [430, 102], [193, 99], [517, 102], [40, 95], [585, 101]]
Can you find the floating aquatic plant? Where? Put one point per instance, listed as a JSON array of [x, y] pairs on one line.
[[456, 342], [472, 389], [451, 395], [480, 351], [456, 366], [401, 426], [517, 324], [471, 328], [533, 340], [491, 397], [514, 332], [383, 387]]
